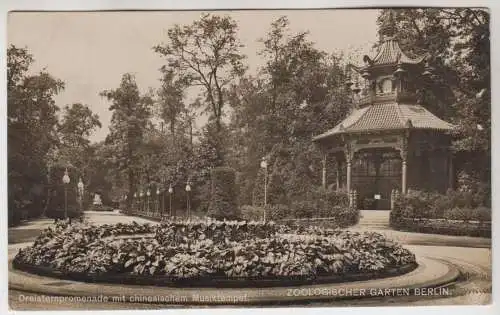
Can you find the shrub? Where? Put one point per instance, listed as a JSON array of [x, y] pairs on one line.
[[301, 209], [101, 208], [315, 204], [464, 206], [448, 227], [462, 214], [252, 213], [481, 214], [325, 204], [56, 207], [329, 201], [333, 198], [277, 212], [273, 212], [418, 204], [426, 205], [223, 199], [466, 214]]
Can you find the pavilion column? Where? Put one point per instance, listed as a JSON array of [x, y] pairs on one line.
[[349, 153], [450, 171], [404, 174], [323, 173], [338, 170], [403, 181]]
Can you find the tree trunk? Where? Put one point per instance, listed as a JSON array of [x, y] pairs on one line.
[[49, 192], [172, 130], [131, 188], [191, 133]]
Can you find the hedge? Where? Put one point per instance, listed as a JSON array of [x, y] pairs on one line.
[[223, 197], [431, 205], [256, 213], [444, 226], [318, 203], [56, 207], [453, 213]]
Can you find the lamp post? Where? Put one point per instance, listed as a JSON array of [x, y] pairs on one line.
[[157, 200], [80, 193], [66, 180], [141, 207], [148, 193], [170, 191], [188, 189], [263, 165]]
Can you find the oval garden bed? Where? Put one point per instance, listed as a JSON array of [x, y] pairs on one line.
[[212, 253]]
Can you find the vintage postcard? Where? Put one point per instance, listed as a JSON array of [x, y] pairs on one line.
[[249, 158]]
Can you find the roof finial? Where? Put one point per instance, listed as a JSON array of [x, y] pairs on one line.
[[388, 26]]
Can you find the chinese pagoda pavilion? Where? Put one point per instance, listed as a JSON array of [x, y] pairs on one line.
[[389, 142]]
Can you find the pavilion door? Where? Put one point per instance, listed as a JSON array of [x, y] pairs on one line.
[[389, 178], [375, 179], [384, 187]]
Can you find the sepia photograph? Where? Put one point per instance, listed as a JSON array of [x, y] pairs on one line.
[[171, 159]]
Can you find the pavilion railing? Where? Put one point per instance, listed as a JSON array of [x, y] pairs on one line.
[[394, 195], [372, 98], [353, 199]]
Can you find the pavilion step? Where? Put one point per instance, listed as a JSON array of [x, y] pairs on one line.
[[374, 221]]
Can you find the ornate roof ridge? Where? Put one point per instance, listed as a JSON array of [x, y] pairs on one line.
[[390, 52]]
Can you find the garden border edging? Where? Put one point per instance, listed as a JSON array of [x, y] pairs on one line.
[[212, 282]]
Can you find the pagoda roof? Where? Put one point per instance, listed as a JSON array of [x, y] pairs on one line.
[[387, 116], [389, 52]]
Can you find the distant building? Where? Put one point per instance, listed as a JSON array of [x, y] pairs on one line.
[[97, 200]]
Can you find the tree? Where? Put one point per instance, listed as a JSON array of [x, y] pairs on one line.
[[77, 125], [206, 54], [131, 113], [171, 99], [32, 122], [73, 150], [298, 92]]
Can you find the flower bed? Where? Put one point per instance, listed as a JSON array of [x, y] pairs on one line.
[[214, 253]]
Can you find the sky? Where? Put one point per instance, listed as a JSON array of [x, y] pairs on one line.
[[90, 51]]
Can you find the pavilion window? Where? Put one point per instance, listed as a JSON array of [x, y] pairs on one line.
[[390, 168], [386, 86]]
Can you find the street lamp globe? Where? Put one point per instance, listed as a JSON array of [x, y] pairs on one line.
[[141, 194], [66, 180], [158, 191], [148, 193], [188, 187], [135, 195], [263, 163], [80, 184], [170, 190]]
